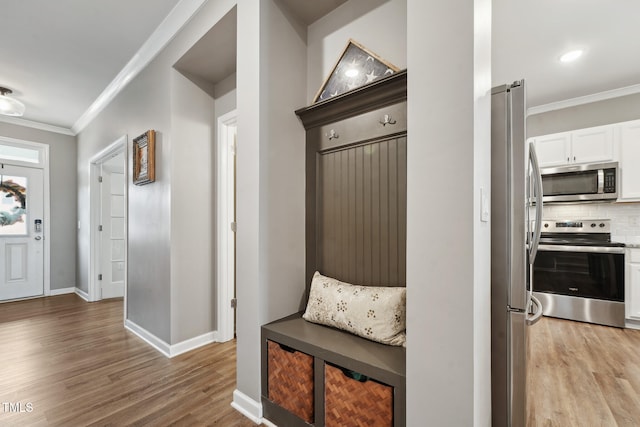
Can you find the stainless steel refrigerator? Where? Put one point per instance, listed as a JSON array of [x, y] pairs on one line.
[[516, 193]]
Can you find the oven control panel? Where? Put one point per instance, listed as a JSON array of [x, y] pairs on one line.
[[576, 226]]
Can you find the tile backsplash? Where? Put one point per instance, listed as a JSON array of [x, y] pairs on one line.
[[625, 217]]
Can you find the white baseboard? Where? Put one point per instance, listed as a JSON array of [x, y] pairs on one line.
[[62, 291], [632, 324], [149, 338], [82, 294], [247, 406], [193, 343], [268, 423], [166, 349]]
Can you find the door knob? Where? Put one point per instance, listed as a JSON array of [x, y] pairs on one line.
[[38, 238]]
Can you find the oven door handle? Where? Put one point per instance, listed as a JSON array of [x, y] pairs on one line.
[[535, 241], [537, 315], [589, 249]]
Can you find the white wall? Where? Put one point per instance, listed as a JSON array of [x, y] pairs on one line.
[[62, 164], [615, 110], [482, 230], [248, 200], [146, 103], [193, 303], [379, 25], [448, 328], [141, 106], [270, 178]]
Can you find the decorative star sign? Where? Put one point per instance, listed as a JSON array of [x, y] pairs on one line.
[[357, 67]]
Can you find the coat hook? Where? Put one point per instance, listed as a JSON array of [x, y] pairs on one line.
[[387, 120], [332, 135]]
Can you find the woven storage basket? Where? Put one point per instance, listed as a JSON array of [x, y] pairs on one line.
[[291, 380], [349, 402]]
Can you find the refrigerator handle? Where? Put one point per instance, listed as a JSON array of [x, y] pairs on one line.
[[535, 241], [538, 313]]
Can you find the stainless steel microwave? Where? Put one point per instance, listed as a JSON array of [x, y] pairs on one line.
[[580, 183]]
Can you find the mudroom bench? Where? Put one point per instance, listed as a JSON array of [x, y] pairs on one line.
[[355, 210], [309, 370]]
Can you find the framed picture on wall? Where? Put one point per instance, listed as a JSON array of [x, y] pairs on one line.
[[144, 153], [356, 67]]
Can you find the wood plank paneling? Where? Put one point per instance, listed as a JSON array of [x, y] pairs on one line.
[[402, 209], [362, 213]]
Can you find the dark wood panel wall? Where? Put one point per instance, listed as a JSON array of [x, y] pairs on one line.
[[356, 184], [361, 213]]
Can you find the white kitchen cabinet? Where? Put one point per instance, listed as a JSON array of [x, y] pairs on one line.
[[632, 284], [589, 145], [553, 150], [629, 174], [592, 145]]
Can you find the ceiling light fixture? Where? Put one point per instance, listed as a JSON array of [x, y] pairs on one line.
[[572, 55], [10, 106]]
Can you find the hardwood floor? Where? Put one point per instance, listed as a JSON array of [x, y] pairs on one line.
[[65, 362], [583, 375]]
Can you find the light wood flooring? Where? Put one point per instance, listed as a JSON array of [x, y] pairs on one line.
[[71, 363], [581, 374]]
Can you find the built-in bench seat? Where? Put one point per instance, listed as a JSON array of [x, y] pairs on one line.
[[355, 210], [383, 363]]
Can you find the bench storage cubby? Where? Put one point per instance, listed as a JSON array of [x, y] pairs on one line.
[[350, 400], [291, 380]]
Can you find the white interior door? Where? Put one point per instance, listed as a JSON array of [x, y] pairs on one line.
[[113, 228], [21, 232]]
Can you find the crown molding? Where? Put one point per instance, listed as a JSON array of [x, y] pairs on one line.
[[573, 102], [166, 31], [36, 125]]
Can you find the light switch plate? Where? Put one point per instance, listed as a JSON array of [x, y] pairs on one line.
[[484, 205]]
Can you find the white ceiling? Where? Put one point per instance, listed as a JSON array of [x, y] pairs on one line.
[[212, 58], [530, 35], [59, 56]]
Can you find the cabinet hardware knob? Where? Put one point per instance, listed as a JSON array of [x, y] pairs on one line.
[[387, 120], [332, 135]]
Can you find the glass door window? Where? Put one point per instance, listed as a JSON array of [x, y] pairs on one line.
[[13, 205]]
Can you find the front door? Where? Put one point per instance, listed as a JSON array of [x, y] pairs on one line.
[[21, 232]]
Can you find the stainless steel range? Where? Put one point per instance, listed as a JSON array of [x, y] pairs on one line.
[[578, 273]]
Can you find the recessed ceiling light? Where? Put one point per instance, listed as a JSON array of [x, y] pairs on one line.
[[572, 55]]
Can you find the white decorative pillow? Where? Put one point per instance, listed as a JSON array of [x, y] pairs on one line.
[[375, 313]]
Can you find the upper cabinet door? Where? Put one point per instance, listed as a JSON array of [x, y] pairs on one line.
[[592, 145], [553, 150], [629, 161]]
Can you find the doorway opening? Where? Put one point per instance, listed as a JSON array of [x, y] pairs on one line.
[[108, 222], [226, 227]]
